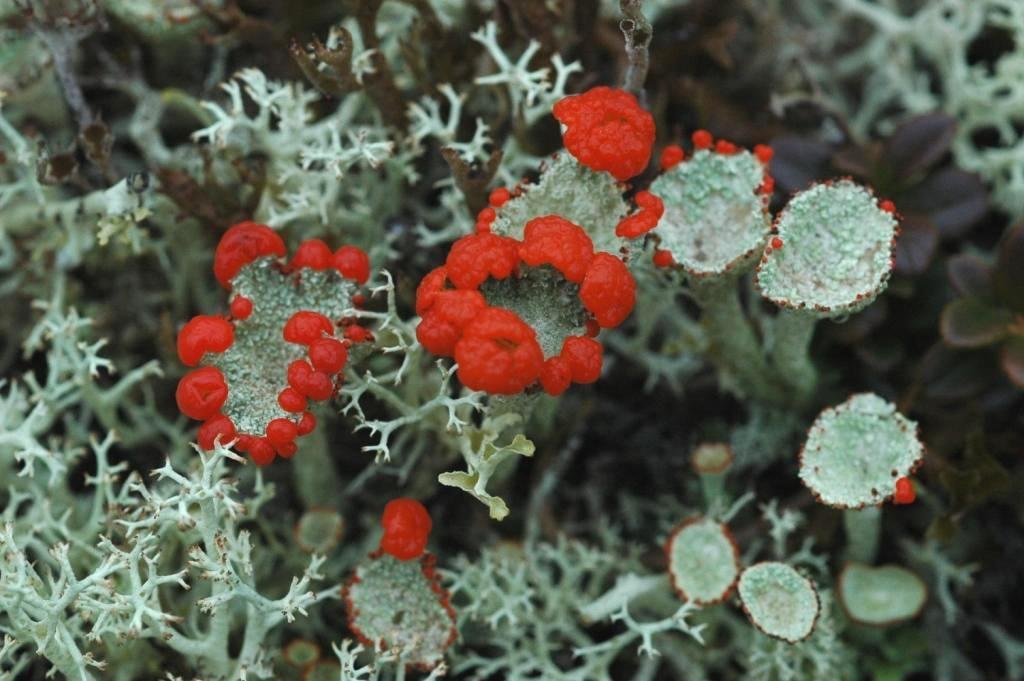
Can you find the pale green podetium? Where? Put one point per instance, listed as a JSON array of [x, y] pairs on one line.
[[399, 605], [703, 561], [715, 220], [255, 367], [856, 451], [715, 225], [836, 257], [592, 200], [711, 460], [779, 601], [853, 456], [880, 596]]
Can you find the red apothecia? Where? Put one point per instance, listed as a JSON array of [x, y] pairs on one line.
[[203, 393], [608, 130], [407, 527]]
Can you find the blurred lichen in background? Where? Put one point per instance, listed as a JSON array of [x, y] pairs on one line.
[[685, 339]]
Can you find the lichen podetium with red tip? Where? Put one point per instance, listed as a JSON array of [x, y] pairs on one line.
[[283, 346]]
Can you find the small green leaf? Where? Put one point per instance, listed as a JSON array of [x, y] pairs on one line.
[[482, 460], [972, 323], [970, 275]]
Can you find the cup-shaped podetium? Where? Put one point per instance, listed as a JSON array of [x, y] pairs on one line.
[[832, 252], [856, 452]]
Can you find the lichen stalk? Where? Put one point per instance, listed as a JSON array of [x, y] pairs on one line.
[[863, 531], [790, 356], [734, 347]]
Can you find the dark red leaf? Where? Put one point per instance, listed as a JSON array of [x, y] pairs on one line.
[[956, 375], [955, 200], [915, 246], [855, 161], [797, 162], [970, 275], [918, 143]]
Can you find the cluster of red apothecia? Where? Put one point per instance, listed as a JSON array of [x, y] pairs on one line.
[[407, 526], [496, 350], [202, 393]]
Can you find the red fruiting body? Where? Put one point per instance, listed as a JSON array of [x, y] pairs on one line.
[[486, 215], [767, 185], [593, 328], [202, 334], [241, 308], [584, 356], [443, 324], [242, 244], [281, 432], [499, 197], [291, 400], [776, 243], [407, 527], [353, 263], [305, 326], [671, 156], [260, 451], [555, 376], [608, 290], [663, 258], [551, 240], [299, 372], [725, 147], [201, 393], [643, 221], [314, 254], [328, 355], [357, 334], [498, 353], [216, 425], [607, 129], [763, 152], [702, 139], [306, 424], [358, 300], [474, 258], [905, 493], [287, 451], [888, 206], [437, 336], [427, 291], [318, 386]]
